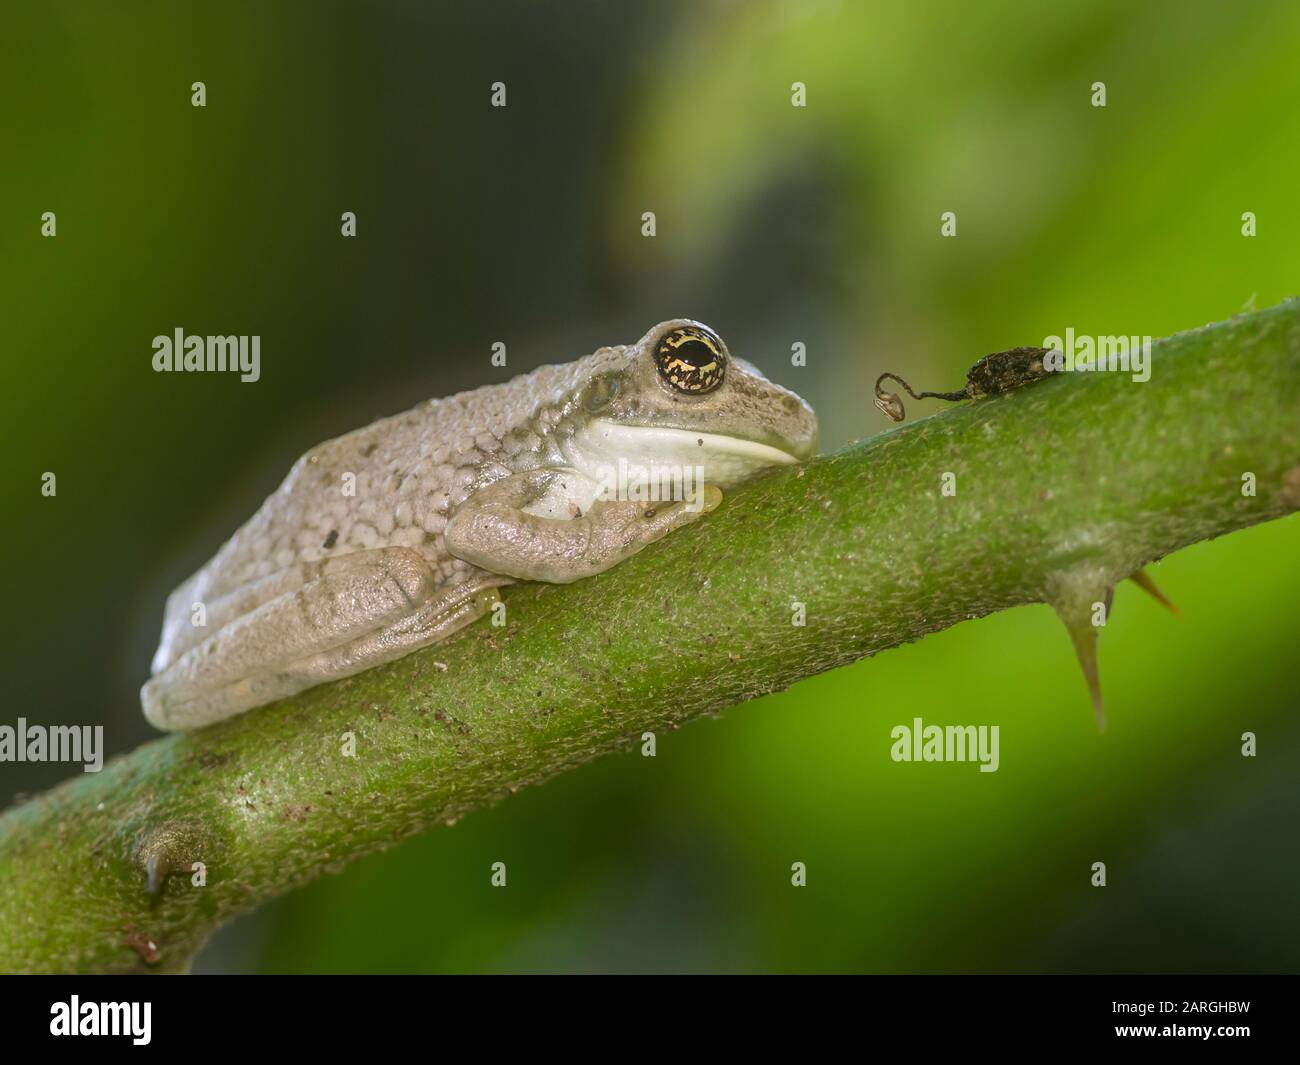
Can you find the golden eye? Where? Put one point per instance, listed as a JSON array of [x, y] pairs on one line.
[[690, 359]]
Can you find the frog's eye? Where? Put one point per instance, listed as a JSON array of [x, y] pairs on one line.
[[690, 359]]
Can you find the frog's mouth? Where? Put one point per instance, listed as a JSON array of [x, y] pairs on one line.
[[723, 460]]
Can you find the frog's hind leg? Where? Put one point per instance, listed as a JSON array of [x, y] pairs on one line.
[[335, 626], [180, 634], [434, 621]]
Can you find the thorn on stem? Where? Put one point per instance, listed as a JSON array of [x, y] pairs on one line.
[[167, 850], [155, 870], [1084, 638], [1143, 580], [1075, 594]]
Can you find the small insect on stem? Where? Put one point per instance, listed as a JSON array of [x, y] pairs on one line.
[[892, 407], [992, 375]]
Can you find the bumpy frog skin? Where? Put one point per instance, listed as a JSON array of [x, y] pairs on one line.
[[397, 535]]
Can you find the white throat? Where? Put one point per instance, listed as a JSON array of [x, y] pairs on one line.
[[725, 459]]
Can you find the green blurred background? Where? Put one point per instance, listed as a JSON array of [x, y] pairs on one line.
[[776, 225]]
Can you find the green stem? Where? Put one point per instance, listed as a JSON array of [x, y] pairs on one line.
[[1062, 488]]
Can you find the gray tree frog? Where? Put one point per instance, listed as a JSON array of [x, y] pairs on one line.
[[397, 535]]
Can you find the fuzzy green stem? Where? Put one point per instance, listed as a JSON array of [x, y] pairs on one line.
[[1062, 488]]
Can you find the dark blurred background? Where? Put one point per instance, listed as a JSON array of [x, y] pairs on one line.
[[777, 225]]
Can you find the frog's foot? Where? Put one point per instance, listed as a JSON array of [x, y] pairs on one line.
[[499, 528], [386, 605]]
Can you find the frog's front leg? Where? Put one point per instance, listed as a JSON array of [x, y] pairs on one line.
[[379, 606], [507, 527]]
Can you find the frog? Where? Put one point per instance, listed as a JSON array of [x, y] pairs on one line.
[[397, 535]]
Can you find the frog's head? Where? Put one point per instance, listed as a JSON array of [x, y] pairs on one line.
[[678, 396]]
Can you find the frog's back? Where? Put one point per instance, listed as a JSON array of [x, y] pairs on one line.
[[394, 483]]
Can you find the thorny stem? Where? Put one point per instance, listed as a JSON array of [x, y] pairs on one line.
[[1063, 487]]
